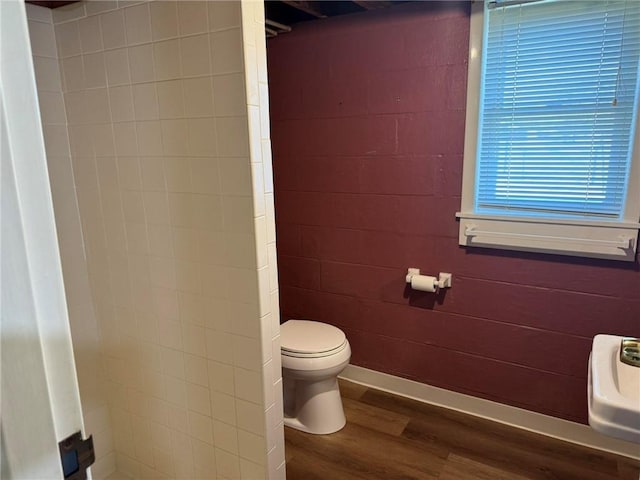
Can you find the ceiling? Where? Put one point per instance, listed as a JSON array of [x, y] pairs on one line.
[[282, 14], [51, 3]]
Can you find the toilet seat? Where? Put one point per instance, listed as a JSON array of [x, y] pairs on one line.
[[328, 353], [308, 339]]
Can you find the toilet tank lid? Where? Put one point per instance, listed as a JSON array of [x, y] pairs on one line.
[[306, 336]]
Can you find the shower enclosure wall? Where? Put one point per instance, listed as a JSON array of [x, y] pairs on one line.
[[155, 116]]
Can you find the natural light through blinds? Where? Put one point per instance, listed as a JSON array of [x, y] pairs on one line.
[[558, 107]]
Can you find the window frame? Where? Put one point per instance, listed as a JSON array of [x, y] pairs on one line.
[[615, 239]]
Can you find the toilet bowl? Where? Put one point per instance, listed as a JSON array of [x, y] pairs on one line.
[[313, 354]]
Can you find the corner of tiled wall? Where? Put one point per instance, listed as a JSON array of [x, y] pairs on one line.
[[82, 318], [168, 156], [255, 71]]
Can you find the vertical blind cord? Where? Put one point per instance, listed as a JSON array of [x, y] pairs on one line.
[[513, 99], [624, 21], [585, 203]]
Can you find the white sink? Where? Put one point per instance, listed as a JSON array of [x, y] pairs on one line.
[[613, 391]]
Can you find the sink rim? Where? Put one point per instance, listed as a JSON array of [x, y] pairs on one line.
[[611, 413], [604, 383]]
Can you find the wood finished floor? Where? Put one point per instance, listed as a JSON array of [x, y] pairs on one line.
[[390, 437]]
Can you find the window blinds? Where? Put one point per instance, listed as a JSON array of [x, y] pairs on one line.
[[558, 106]]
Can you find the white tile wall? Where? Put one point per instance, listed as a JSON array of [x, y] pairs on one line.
[[82, 316], [271, 430], [166, 105]]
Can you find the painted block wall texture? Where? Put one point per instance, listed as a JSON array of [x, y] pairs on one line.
[[368, 129]]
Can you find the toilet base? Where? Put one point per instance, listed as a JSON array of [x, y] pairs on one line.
[[313, 406]]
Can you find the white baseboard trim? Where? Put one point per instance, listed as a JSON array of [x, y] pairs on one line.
[[513, 416]]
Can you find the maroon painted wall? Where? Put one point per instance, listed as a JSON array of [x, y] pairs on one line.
[[367, 115]]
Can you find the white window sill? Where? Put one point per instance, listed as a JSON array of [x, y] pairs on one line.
[[596, 239]]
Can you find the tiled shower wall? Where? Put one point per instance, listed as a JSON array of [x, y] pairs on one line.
[[82, 317], [167, 129], [255, 61]]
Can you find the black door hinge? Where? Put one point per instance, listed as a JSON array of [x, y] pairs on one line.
[[76, 455]]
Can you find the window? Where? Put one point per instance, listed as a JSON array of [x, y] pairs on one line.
[[552, 144]]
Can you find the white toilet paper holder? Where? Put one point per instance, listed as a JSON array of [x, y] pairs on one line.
[[443, 280]]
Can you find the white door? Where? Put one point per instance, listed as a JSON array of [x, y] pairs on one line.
[[39, 401]]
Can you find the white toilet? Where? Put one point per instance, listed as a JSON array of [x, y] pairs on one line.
[[313, 354]]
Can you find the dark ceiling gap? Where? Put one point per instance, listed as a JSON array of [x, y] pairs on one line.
[[51, 3], [282, 14]]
